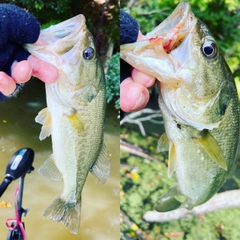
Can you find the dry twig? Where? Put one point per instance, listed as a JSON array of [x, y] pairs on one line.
[[135, 150], [138, 118]]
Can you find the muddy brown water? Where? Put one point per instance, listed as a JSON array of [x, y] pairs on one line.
[[100, 203]]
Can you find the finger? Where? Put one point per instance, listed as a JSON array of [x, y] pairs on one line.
[[133, 96], [21, 71], [7, 84], [43, 70], [143, 78], [141, 36]]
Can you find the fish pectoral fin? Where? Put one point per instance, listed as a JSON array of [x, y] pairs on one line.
[[49, 170], [76, 122], [163, 143], [40, 118], [171, 159], [44, 118], [101, 168], [170, 200], [211, 147]]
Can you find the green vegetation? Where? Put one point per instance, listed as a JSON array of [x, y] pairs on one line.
[[143, 181], [112, 80]]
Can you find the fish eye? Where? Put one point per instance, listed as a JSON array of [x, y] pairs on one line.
[[89, 53], [209, 49]]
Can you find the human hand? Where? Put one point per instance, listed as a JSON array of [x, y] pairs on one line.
[[17, 28], [23, 71], [134, 93]]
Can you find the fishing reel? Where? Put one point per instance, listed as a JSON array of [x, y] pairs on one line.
[[18, 166]]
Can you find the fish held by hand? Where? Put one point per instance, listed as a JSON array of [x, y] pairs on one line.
[[74, 116], [199, 103]]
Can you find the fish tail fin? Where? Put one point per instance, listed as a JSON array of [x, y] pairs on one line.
[[66, 212], [170, 200]]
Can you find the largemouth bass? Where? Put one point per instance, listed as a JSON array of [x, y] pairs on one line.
[[199, 103], [74, 116]]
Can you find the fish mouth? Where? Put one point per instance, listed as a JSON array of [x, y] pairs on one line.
[[65, 34], [170, 33], [174, 32], [175, 28]]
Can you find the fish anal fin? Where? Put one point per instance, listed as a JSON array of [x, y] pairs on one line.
[[101, 168], [171, 159], [66, 212], [170, 200], [49, 170], [163, 143], [44, 118], [211, 147]]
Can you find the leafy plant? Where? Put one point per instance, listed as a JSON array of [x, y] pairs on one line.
[[112, 79]]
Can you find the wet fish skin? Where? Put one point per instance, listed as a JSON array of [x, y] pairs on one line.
[[74, 116], [199, 103]]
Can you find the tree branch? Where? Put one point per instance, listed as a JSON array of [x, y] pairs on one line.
[[224, 200], [138, 118], [136, 150]]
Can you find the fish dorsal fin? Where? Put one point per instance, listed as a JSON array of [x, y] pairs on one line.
[[171, 159], [44, 118], [101, 168], [49, 170], [211, 147], [163, 143]]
